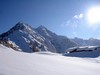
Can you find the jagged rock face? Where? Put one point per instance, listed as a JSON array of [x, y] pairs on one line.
[[28, 39]]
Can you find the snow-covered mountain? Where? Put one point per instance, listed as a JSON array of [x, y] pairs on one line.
[[45, 63], [61, 43], [25, 38], [88, 42]]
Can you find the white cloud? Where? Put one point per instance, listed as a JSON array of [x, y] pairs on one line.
[[81, 16], [78, 16], [73, 22]]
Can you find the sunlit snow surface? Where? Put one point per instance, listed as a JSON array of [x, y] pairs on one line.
[[45, 63]]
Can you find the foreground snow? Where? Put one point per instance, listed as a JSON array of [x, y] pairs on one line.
[[45, 63]]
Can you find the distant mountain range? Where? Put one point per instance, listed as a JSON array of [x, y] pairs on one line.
[[88, 42], [23, 37]]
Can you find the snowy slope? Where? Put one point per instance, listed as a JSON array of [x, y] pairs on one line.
[[45, 63]]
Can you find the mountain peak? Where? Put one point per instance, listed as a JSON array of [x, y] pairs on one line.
[[91, 38], [41, 27], [20, 25]]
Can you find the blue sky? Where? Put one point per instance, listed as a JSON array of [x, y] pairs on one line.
[[64, 17]]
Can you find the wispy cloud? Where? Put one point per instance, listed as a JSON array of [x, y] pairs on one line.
[[73, 22], [78, 16]]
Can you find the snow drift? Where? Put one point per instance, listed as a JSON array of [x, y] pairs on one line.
[[45, 63]]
